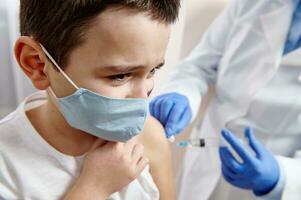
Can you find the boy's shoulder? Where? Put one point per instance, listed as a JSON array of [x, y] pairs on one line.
[[153, 133], [154, 140], [10, 128], [8, 123]]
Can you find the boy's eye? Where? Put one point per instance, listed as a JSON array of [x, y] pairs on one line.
[[119, 77], [153, 71]]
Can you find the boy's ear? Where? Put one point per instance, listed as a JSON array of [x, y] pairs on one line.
[[32, 61]]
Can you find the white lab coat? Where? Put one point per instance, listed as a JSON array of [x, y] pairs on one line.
[[240, 53]]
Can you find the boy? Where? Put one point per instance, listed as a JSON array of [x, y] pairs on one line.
[[84, 138]]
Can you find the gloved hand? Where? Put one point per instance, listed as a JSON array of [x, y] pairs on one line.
[[173, 111], [259, 172]]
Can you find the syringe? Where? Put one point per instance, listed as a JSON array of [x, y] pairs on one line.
[[199, 142], [205, 142]]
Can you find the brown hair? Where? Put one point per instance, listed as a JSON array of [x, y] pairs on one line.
[[60, 24]]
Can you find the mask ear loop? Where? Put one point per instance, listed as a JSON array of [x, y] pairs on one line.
[[58, 67], [52, 95]]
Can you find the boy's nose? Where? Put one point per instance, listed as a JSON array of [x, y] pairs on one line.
[[141, 94], [140, 91]]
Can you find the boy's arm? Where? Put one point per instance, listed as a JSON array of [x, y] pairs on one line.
[[158, 151]]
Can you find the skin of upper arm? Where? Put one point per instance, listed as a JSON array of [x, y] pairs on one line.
[[157, 149]]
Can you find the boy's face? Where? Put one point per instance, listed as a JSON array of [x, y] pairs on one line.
[[119, 57]]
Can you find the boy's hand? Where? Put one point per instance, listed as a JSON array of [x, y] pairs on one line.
[[110, 167]]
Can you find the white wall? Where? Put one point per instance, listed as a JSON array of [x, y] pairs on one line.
[[7, 94]]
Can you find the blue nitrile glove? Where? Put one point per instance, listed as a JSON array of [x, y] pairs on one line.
[[259, 172], [173, 111]]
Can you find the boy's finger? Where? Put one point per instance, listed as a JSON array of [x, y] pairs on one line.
[[96, 144], [137, 153], [142, 163]]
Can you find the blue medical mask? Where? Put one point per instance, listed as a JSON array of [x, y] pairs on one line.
[[107, 118]]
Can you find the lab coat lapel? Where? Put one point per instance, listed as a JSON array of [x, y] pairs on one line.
[[275, 25]]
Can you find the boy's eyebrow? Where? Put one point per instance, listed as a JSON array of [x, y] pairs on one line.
[[126, 68]]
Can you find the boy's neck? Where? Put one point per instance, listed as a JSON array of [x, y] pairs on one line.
[[51, 125]]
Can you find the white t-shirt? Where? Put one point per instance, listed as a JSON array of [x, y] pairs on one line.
[[30, 168]]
